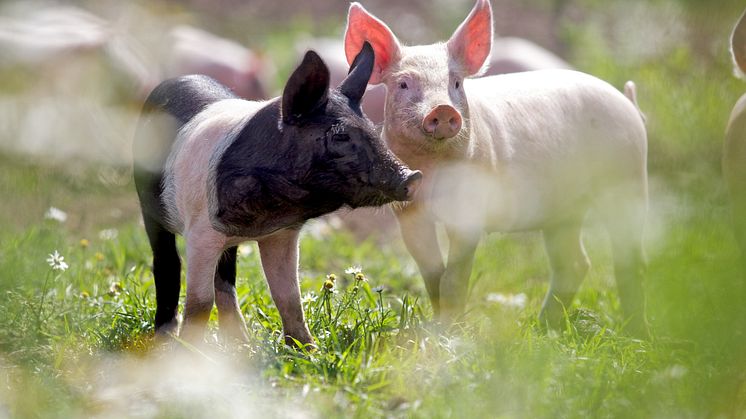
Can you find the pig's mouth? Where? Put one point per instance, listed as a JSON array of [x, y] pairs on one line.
[[418, 141], [403, 190]]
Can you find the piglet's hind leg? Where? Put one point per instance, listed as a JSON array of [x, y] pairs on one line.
[[167, 275], [203, 253], [232, 323]]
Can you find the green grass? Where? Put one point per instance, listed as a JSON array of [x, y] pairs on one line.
[[79, 342], [379, 354]]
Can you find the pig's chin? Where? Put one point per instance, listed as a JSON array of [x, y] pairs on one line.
[[440, 144], [417, 141], [371, 198]]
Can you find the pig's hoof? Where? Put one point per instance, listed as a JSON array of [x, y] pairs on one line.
[[235, 333], [167, 330], [637, 329], [300, 341]]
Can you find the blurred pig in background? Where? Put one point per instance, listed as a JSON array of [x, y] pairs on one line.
[[734, 150], [513, 55], [78, 82], [195, 51]]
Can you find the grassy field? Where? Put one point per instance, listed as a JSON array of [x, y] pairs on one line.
[[77, 342]]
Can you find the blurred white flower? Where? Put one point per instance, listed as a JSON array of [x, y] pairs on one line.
[[57, 262], [55, 214], [379, 288], [245, 250], [354, 270], [108, 234], [309, 298], [508, 300], [676, 371], [321, 228], [115, 288]]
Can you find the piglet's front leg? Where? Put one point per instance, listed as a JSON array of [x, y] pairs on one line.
[[454, 284], [420, 237], [279, 253]]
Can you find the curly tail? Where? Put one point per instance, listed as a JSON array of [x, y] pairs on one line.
[[630, 90]]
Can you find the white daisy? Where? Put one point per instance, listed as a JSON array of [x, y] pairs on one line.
[[56, 214], [508, 300], [57, 262], [354, 270]]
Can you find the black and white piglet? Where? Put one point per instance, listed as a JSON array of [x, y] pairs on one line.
[[221, 170]]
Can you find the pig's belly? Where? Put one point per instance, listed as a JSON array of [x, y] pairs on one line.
[[533, 209], [472, 199]]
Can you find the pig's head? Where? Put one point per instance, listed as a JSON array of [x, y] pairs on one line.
[[426, 107], [349, 163]]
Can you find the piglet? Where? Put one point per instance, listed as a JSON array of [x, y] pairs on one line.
[[526, 151], [221, 170], [734, 150]]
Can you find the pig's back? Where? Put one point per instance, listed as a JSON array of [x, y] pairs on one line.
[[555, 136], [548, 114]]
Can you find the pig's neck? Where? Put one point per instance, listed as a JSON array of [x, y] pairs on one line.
[[487, 136], [421, 158]]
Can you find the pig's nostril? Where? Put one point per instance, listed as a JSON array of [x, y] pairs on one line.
[[409, 186], [443, 121]]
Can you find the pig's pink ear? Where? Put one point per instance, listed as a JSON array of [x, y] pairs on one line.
[[471, 44], [363, 26], [738, 46]]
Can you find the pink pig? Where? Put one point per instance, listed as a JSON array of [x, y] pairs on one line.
[[527, 151], [734, 150]]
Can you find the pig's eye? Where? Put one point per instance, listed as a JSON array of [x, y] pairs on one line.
[[458, 84], [403, 85], [341, 137]]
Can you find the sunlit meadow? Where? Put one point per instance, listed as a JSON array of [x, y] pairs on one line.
[[77, 298]]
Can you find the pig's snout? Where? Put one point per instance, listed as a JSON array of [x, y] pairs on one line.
[[442, 122], [407, 188]]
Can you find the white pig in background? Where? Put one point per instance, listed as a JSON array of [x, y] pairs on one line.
[[512, 55], [734, 150], [78, 76], [195, 51], [525, 151]]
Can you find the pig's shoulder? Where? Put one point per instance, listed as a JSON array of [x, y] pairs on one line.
[[230, 109]]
